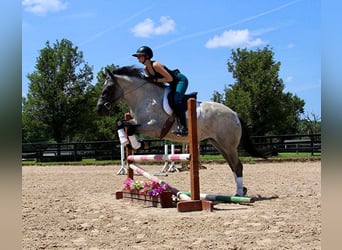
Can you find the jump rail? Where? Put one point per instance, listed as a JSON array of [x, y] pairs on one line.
[[159, 157]]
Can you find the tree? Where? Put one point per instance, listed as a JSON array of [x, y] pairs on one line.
[[59, 93], [218, 97], [257, 94], [310, 124]]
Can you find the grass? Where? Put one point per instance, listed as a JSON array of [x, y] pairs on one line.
[[204, 158], [298, 155]]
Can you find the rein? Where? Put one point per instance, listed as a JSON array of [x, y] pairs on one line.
[[132, 90]]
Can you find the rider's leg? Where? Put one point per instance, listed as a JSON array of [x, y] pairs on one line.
[[179, 106]]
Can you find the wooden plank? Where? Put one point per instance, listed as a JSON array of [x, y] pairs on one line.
[[195, 205]]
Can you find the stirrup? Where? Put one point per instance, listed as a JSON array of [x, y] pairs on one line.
[[180, 132]]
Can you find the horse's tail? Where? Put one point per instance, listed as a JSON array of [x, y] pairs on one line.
[[247, 142]]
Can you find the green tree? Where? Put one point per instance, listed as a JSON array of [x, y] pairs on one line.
[[218, 97], [257, 94], [60, 94], [310, 124]]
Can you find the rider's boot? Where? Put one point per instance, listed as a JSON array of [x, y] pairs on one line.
[[182, 129]]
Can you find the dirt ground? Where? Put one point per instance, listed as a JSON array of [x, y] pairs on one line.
[[74, 207]]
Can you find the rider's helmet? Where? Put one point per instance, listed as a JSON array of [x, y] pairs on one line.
[[145, 51]]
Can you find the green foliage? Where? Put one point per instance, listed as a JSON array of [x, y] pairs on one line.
[[218, 97], [310, 124], [59, 94], [257, 94], [60, 105]]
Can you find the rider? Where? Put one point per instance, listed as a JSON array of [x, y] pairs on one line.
[[160, 74]]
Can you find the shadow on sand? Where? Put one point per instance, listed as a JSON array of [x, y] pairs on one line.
[[262, 198]]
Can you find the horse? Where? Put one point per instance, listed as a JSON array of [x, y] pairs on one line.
[[217, 123]]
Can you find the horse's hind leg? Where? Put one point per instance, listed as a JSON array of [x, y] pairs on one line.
[[236, 166]]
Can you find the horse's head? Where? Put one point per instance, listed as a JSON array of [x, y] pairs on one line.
[[111, 94]]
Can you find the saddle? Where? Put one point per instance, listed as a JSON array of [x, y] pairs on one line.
[[172, 116], [184, 100]]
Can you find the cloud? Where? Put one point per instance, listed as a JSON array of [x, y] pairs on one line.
[[42, 7], [289, 79], [306, 87], [239, 22], [148, 27], [234, 39], [117, 25], [290, 45]]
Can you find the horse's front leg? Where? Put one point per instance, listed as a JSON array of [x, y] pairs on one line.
[[129, 137], [150, 128]]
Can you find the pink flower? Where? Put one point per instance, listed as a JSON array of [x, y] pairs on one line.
[[145, 188]]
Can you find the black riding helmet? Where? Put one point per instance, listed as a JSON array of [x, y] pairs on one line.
[[145, 51]]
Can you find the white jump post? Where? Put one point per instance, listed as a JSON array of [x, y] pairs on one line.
[[122, 169], [166, 164], [172, 167]]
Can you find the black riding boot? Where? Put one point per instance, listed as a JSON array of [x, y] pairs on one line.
[[182, 129]]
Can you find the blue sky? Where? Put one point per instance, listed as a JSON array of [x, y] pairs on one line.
[[195, 36]]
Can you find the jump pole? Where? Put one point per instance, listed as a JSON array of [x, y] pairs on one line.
[[224, 198], [159, 157], [195, 204]]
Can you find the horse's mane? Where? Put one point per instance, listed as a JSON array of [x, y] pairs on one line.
[[135, 72], [129, 71]]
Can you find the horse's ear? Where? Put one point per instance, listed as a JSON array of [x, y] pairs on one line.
[[110, 73]]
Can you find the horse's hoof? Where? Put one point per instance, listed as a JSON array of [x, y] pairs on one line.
[[244, 192]]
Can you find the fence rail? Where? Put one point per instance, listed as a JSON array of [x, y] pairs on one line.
[[110, 150]]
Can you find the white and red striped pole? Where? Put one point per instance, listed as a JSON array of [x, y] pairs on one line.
[[159, 157]]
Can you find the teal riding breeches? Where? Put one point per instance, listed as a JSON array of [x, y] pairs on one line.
[[181, 87]]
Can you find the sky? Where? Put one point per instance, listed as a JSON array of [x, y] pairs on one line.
[[195, 36]]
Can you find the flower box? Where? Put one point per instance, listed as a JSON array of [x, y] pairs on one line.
[[164, 200]]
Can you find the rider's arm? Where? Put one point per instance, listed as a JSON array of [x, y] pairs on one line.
[[161, 70]]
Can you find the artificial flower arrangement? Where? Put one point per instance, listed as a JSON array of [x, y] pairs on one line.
[[151, 188]]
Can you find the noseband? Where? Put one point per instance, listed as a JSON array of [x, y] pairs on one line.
[[107, 105]]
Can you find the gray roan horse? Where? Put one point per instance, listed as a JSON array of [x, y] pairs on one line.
[[216, 122]]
